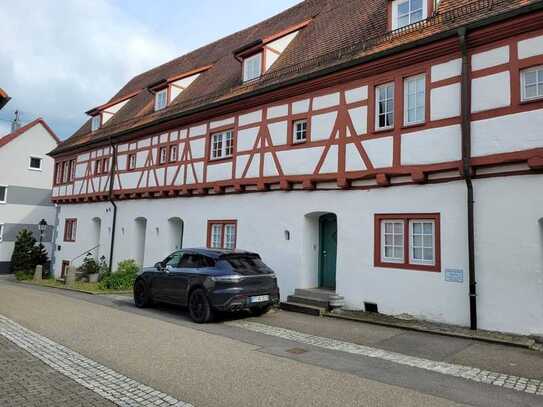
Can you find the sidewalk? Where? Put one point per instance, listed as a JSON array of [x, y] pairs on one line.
[[27, 381]]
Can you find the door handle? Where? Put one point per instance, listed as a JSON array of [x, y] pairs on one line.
[[324, 252]]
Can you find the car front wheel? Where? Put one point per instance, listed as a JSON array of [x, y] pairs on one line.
[[199, 307], [142, 296]]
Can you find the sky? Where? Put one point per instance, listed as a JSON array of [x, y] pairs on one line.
[[60, 58]]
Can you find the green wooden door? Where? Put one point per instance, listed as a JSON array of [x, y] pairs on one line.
[[328, 251]]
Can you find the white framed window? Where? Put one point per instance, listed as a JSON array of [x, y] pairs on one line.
[[532, 83], [414, 99], [407, 12], [35, 163], [131, 162], [173, 153], [421, 242], [222, 145], [96, 122], [299, 131], [229, 236], [161, 99], [392, 241], [384, 106], [222, 234], [252, 67], [1, 231], [66, 172], [162, 155], [3, 193]]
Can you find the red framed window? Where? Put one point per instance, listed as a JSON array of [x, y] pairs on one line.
[[408, 241], [105, 165], [131, 162], [162, 155], [222, 234], [70, 229], [173, 153], [97, 167]]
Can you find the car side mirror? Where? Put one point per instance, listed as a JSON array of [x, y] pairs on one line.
[[158, 266]]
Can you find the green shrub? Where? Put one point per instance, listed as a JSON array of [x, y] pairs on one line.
[[24, 275], [122, 279]]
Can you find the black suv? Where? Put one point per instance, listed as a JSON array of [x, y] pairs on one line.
[[208, 280]]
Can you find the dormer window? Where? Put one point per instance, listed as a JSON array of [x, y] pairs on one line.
[[161, 99], [406, 12], [252, 67], [96, 122]]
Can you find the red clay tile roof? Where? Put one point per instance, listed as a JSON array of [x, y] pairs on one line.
[[340, 30], [12, 136]]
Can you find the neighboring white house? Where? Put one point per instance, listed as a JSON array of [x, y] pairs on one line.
[[26, 174], [341, 140]]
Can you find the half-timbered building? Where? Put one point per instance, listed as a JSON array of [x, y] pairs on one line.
[[391, 151]]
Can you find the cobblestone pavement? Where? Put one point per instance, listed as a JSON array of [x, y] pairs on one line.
[[27, 381], [521, 384], [65, 378]]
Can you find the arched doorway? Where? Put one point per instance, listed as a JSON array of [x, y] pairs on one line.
[[175, 226], [140, 230], [96, 230], [327, 251]]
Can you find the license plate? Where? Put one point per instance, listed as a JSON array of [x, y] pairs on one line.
[[259, 298]]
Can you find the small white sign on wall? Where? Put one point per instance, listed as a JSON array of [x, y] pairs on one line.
[[454, 275]]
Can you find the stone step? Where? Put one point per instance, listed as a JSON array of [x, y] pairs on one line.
[[298, 299], [333, 299], [302, 308]]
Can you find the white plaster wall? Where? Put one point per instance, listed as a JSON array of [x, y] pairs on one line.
[[278, 132], [356, 94], [379, 151], [277, 111], [359, 117], [509, 246], [246, 138], [322, 125], [322, 102], [218, 172], [300, 106], [300, 161], [445, 102], [250, 118], [490, 92], [515, 132], [530, 47], [446, 70], [437, 145], [15, 159], [487, 59]]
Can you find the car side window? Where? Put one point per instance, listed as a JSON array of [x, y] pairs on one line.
[[189, 261], [174, 259]]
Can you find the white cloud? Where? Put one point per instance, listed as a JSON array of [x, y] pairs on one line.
[[59, 59]]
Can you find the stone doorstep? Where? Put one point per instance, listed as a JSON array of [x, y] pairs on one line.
[[437, 328]]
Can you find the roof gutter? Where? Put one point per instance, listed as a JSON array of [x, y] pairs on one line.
[[323, 72]]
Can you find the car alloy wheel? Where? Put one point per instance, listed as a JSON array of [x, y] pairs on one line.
[[199, 307]]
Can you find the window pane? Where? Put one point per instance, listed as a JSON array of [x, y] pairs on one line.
[[428, 241], [416, 4], [530, 77], [389, 252], [230, 236], [398, 227], [428, 228], [417, 240], [416, 16], [388, 239], [417, 227], [398, 240], [428, 254], [403, 8], [389, 227], [540, 89], [417, 253], [403, 21], [2, 194], [398, 252]]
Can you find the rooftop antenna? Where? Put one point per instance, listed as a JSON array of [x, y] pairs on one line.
[[16, 123]]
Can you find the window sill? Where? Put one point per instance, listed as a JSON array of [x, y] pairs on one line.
[[384, 130], [413, 125], [220, 159], [408, 266], [35, 169], [534, 100]]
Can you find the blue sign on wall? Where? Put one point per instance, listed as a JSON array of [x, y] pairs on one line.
[[454, 275]]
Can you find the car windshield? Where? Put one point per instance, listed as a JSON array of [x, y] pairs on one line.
[[247, 264]]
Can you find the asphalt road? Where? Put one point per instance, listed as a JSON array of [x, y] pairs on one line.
[[222, 365]]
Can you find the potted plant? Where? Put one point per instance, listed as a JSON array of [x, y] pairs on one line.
[[89, 271]]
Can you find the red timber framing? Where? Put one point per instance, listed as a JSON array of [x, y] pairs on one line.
[[190, 174]]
